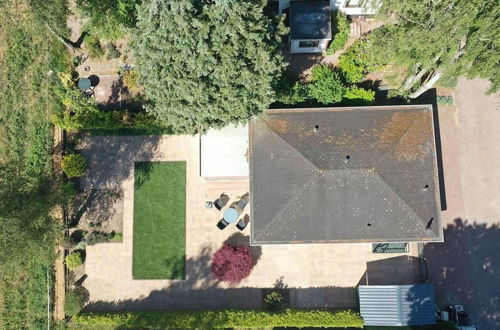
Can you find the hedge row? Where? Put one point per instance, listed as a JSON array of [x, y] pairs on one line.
[[223, 319]]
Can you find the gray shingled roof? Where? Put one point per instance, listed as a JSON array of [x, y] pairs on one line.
[[310, 20], [364, 174]]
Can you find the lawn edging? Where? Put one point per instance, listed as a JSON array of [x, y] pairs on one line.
[[228, 318]]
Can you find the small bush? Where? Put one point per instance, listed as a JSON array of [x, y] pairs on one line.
[[131, 81], [327, 90], [96, 237], [232, 263], [355, 62], [273, 301], [74, 165], [74, 260], [289, 91], [340, 32], [116, 236], [321, 71], [73, 302], [226, 318], [93, 46], [359, 96], [111, 51], [444, 100]]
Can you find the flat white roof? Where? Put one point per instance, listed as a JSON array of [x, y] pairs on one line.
[[224, 153]]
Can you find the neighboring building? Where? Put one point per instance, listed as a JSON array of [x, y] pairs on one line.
[[397, 305], [310, 21], [354, 7], [224, 153], [310, 26], [358, 174]]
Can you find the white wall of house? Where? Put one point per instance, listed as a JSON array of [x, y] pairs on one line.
[[295, 47]]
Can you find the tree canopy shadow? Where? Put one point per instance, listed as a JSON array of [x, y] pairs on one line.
[[201, 290], [111, 159], [465, 270]]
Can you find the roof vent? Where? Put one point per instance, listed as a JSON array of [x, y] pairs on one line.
[[368, 224], [429, 224], [347, 158], [316, 128], [425, 187]]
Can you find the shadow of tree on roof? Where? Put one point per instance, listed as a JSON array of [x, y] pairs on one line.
[[465, 270]]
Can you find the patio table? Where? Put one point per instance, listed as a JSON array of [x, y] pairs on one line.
[[231, 215], [84, 84]]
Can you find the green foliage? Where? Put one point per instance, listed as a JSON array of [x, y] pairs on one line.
[[115, 236], [130, 80], [111, 51], [93, 46], [359, 96], [109, 19], [28, 232], [320, 72], [340, 32], [223, 319], [74, 165], [355, 62], [74, 260], [453, 38], [289, 91], [274, 301], [73, 302], [206, 64], [24, 297], [80, 112], [326, 87], [51, 12], [444, 100]]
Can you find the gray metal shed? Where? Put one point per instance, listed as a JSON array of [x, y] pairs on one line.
[[397, 305]]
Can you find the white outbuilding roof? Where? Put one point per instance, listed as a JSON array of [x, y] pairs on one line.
[[224, 153]]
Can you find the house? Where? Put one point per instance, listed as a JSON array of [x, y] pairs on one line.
[[360, 174], [310, 26]]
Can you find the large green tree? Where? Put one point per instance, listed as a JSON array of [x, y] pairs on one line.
[[207, 63], [108, 19], [440, 40]]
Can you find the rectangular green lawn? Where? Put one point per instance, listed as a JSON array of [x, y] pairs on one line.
[[159, 220]]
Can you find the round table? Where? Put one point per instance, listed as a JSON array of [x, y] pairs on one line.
[[84, 84], [231, 215]]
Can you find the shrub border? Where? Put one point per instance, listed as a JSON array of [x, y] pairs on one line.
[[228, 318]]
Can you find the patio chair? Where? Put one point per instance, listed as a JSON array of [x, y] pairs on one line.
[[222, 224], [220, 202], [242, 202], [242, 224]]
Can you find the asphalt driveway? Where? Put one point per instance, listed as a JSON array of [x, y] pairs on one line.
[[466, 267]]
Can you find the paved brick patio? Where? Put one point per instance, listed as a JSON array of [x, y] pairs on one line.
[[321, 275]]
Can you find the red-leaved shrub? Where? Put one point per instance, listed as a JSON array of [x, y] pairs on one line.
[[232, 263]]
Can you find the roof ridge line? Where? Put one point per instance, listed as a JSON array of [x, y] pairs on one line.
[[401, 199], [298, 151], [287, 204]]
